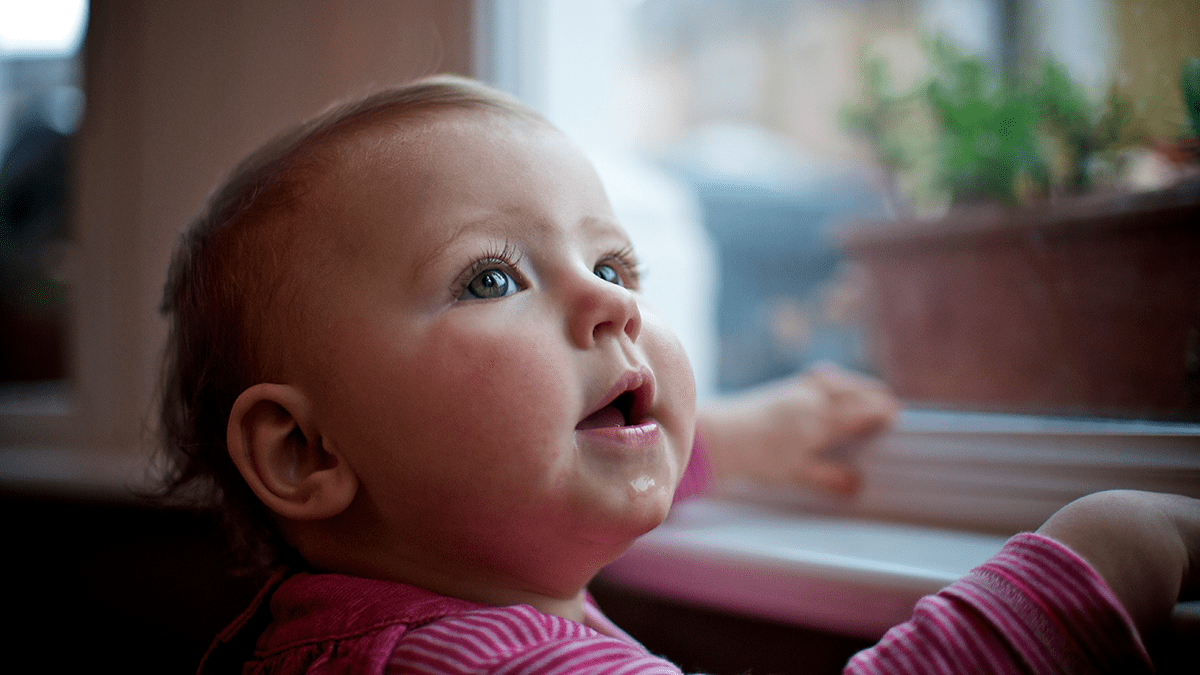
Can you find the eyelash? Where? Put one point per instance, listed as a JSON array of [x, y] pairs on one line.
[[509, 257], [627, 260]]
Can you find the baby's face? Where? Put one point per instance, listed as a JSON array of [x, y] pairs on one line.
[[484, 358]]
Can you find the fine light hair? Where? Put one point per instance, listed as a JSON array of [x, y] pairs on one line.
[[231, 281]]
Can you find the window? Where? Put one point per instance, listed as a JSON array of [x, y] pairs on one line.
[[41, 107], [806, 137]]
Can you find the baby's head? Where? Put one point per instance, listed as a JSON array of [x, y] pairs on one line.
[[407, 342]]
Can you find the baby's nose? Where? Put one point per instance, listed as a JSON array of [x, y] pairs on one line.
[[603, 308]]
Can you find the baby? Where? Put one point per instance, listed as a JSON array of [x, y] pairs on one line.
[[409, 355]]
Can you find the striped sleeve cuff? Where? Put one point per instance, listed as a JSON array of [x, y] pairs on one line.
[[1063, 612], [1035, 607]]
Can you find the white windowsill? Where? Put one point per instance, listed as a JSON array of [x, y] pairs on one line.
[[847, 566], [110, 476]]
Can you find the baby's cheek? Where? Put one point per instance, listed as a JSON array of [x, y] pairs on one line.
[[511, 390], [673, 377]]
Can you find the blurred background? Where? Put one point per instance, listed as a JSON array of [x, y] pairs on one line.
[[773, 160], [738, 140]]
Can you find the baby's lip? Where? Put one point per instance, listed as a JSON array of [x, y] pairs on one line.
[[631, 395]]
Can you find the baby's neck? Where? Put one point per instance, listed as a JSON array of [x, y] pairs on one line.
[[567, 604], [556, 587], [567, 608]]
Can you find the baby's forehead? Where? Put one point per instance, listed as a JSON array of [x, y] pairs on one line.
[[406, 146], [339, 181], [417, 157], [413, 141]]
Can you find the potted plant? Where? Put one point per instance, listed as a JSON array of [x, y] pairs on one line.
[[1016, 277], [1186, 148]]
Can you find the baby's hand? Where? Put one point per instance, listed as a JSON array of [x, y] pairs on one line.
[[781, 432], [1145, 545]]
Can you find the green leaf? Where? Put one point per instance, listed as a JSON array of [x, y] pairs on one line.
[[1189, 82]]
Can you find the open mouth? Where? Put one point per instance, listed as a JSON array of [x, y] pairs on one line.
[[627, 409]]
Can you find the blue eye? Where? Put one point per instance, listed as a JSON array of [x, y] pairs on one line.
[[607, 273], [490, 283]]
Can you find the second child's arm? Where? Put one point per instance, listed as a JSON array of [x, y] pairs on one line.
[[783, 431]]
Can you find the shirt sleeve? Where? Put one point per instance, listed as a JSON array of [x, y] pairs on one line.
[[1035, 607]]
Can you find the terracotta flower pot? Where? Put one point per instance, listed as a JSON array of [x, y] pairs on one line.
[[1082, 306]]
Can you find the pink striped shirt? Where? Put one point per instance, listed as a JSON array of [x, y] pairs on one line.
[[1035, 607]]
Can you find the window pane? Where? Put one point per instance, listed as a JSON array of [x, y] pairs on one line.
[[40, 108]]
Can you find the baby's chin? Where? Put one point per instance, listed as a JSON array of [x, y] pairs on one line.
[[647, 503]]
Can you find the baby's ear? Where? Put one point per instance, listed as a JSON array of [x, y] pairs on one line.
[[274, 441]]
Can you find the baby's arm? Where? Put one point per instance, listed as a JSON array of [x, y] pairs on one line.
[[782, 431], [1146, 546], [1048, 602]]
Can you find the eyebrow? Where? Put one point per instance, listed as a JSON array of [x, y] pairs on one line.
[[453, 232], [608, 226]]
